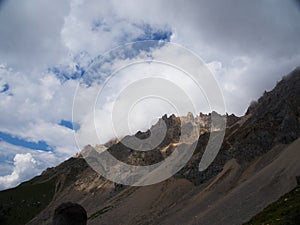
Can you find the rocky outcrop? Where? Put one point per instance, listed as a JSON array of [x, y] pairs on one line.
[[274, 119]]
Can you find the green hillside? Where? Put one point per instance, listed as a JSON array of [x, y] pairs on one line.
[[19, 205]]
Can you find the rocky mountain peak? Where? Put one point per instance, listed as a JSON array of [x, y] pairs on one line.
[[253, 150]]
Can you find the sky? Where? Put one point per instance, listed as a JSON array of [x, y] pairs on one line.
[[47, 50]]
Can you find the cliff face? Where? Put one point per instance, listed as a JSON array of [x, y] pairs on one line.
[[257, 163], [273, 119]]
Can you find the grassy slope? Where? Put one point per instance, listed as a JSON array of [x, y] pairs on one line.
[[285, 211], [19, 205]]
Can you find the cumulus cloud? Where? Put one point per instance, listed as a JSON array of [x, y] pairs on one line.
[[21, 163], [33, 97], [94, 106], [46, 46], [25, 166], [31, 109], [263, 32]]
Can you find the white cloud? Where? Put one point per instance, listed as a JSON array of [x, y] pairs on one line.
[[32, 108], [143, 111], [34, 97], [104, 26], [30, 33], [27, 163], [25, 167], [246, 44]]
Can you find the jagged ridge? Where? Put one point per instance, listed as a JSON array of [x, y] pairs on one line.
[[272, 121]]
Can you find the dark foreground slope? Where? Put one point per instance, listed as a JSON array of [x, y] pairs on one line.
[[285, 210], [258, 162], [19, 205]]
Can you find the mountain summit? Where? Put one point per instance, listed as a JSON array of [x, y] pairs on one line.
[[258, 162]]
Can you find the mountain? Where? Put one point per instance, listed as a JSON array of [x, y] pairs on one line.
[[258, 163]]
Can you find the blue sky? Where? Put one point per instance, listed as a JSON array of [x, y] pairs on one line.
[[40, 145], [249, 46]]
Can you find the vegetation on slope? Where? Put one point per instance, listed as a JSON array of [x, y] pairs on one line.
[[19, 205], [285, 211]]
